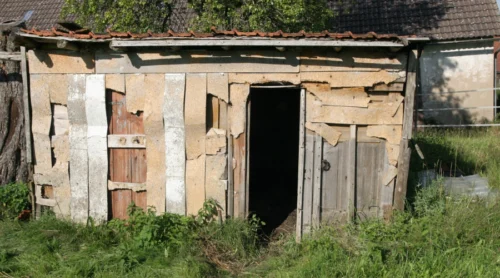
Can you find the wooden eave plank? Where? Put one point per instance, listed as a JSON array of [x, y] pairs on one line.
[[10, 56]]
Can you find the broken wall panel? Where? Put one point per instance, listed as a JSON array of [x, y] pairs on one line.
[[97, 129], [154, 90], [175, 143], [78, 148], [135, 85], [115, 82], [41, 123], [218, 85], [349, 97], [57, 61], [188, 62], [238, 110], [216, 178], [375, 114], [195, 128], [352, 79], [352, 60], [216, 166]]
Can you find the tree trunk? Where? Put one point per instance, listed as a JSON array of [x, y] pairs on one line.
[[13, 166]]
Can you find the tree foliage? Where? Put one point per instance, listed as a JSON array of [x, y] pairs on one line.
[[120, 15], [263, 15]]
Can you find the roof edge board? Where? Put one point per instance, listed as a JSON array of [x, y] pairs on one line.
[[252, 42]]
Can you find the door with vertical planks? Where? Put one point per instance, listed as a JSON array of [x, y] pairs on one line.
[[127, 157]]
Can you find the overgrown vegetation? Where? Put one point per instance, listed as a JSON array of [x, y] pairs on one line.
[[460, 151], [263, 15], [245, 15], [14, 198], [439, 236], [120, 15]]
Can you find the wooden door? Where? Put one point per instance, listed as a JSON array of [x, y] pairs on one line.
[[127, 157]]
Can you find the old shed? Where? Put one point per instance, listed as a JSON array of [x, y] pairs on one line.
[[263, 123]]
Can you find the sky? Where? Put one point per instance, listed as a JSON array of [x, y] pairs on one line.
[[498, 2]]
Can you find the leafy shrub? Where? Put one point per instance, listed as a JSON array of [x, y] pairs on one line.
[[14, 197], [147, 229]]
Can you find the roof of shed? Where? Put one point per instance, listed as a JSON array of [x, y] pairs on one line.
[[85, 34], [45, 12]]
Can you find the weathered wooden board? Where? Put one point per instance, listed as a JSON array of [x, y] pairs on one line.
[[79, 168], [223, 61], [307, 205], [218, 85], [42, 61], [212, 112], [136, 187], [375, 114], [97, 128], [331, 134], [115, 82], [238, 95], [405, 151], [352, 60], [154, 91], [126, 165], [317, 169], [175, 144], [370, 164], [127, 141], [223, 117], [301, 165], [334, 202], [264, 78], [352, 79], [135, 86], [195, 114], [351, 97], [239, 174], [391, 133], [195, 184]]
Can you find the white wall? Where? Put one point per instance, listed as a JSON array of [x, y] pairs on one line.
[[461, 68]]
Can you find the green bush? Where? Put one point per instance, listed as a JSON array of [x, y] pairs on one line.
[[14, 198]]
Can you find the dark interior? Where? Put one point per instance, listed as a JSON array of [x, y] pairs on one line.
[[274, 143]]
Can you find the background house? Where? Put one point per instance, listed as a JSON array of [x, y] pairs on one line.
[[456, 65], [44, 13]]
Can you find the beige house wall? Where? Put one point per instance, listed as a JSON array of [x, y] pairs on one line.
[[457, 75]]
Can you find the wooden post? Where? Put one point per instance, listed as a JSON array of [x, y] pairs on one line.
[[351, 175], [27, 118], [318, 157], [298, 236], [405, 151]]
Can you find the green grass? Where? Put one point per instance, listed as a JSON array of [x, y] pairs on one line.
[[438, 236], [470, 151]]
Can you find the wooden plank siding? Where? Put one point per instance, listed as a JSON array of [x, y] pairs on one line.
[[125, 165]]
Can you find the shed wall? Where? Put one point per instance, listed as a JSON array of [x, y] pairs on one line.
[[194, 110]]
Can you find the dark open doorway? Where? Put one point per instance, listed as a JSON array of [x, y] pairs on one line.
[[273, 153]]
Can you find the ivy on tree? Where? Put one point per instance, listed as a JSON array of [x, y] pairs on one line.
[[120, 15], [263, 15]]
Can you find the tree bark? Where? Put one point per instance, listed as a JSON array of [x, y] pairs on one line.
[[13, 166]]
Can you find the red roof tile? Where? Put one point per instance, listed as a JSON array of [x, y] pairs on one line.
[[86, 34]]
